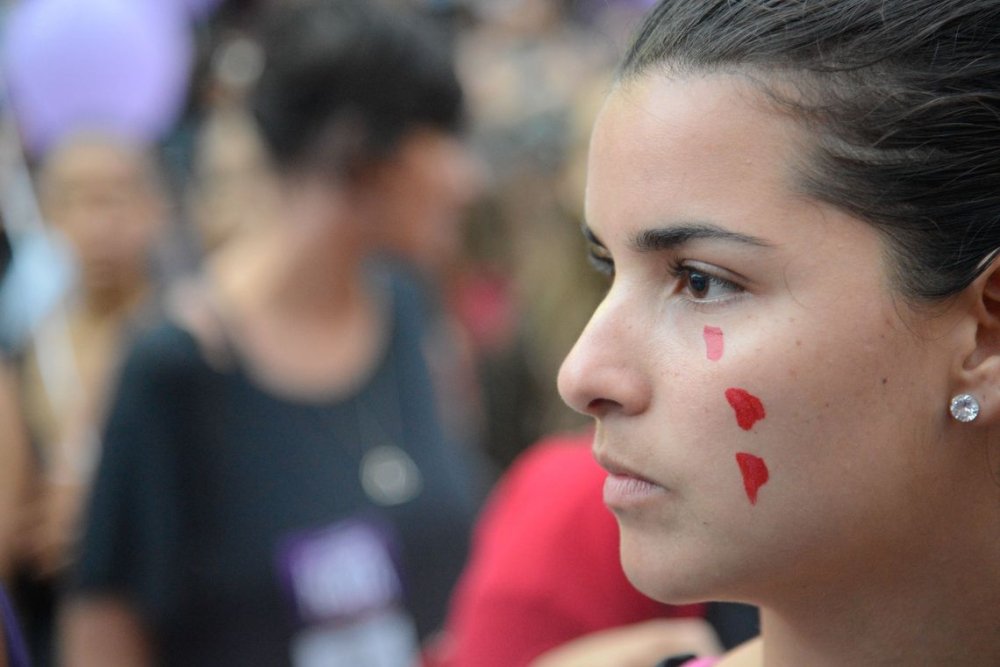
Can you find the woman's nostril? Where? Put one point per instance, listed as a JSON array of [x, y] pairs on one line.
[[601, 406]]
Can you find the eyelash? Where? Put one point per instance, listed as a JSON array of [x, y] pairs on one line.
[[603, 264], [679, 271]]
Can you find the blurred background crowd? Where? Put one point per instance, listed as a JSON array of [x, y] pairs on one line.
[[137, 186]]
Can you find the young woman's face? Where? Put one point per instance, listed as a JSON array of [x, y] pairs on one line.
[[101, 196], [771, 412]]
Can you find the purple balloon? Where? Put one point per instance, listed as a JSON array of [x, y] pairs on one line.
[[117, 66]]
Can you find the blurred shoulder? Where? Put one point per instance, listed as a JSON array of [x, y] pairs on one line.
[[161, 349], [181, 339]]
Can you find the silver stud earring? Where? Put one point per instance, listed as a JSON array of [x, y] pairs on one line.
[[964, 408]]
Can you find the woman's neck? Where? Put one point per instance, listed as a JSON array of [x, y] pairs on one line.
[[294, 271], [315, 278], [307, 322], [938, 608], [317, 254]]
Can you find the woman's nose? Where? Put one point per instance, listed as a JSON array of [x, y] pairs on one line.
[[603, 373]]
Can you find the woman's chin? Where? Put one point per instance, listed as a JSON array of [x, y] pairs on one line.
[[671, 575]]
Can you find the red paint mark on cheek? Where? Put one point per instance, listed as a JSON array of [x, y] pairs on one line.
[[749, 410], [755, 474], [713, 342]]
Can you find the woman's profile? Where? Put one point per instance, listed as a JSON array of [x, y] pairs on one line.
[[794, 371]]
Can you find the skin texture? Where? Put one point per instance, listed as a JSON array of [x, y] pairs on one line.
[[103, 632], [866, 468]]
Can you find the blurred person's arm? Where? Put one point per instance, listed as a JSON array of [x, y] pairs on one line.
[[15, 469], [66, 441], [49, 525], [102, 631]]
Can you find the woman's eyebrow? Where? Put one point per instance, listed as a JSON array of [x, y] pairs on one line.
[[665, 238]]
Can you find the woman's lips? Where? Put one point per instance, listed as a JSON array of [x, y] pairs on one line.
[[624, 487], [621, 491]]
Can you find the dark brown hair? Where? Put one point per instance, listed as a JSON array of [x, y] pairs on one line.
[[345, 80]]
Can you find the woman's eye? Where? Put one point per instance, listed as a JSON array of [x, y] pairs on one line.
[[702, 286], [600, 259]]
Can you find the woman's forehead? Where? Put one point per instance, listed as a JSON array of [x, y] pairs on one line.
[[690, 147]]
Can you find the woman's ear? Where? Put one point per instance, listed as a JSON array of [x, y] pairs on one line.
[[979, 374]]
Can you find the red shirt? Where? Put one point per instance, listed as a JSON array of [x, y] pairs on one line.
[[544, 567]]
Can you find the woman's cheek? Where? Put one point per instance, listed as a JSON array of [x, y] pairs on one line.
[[746, 412]]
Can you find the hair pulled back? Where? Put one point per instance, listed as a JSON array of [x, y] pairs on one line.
[[903, 97], [345, 80]]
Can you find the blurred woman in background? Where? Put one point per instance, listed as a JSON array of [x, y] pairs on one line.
[[104, 196], [276, 486]]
